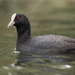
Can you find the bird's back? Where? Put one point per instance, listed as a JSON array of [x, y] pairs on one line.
[[48, 44]]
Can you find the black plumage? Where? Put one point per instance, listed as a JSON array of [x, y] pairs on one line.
[[46, 44]]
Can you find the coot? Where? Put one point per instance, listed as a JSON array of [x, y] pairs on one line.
[[46, 44]]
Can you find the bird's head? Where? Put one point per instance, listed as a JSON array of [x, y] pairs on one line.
[[18, 20]]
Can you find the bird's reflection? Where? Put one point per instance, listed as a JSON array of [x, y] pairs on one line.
[[26, 57]]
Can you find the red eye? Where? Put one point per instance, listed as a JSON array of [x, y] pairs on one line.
[[17, 17]]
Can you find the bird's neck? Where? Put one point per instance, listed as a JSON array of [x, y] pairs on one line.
[[23, 34]]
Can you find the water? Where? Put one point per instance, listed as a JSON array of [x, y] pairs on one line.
[[45, 18], [26, 64]]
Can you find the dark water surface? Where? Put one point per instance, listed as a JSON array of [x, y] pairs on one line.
[[46, 17], [26, 64]]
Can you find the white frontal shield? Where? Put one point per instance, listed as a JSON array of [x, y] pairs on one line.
[[12, 20]]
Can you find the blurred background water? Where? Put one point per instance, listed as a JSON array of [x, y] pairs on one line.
[[46, 17]]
